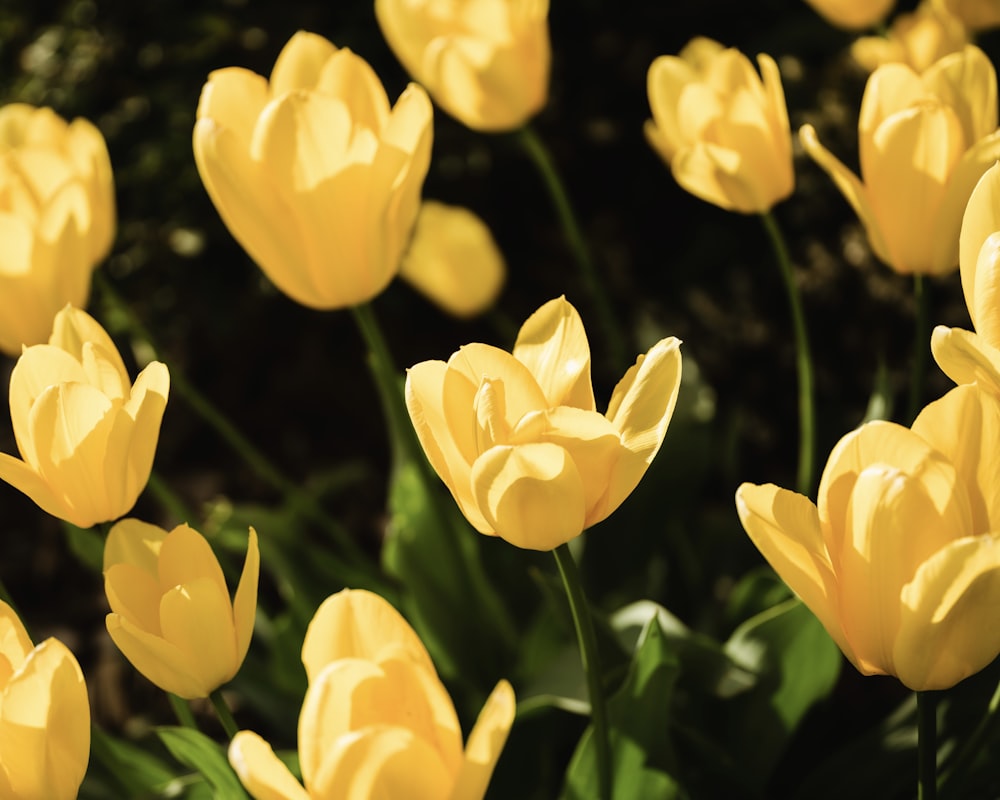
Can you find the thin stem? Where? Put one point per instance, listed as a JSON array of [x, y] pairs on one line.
[[920, 345], [926, 745], [803, 359], [590, 657], [598, 295], [973, 746], [223, 713], [182, 711]]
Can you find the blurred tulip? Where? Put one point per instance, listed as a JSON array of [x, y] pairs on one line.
[[852, 14], [376, 720], [924, 142], [900, 558], [313, 173], [57, 218], [975, 14], [964, 356], [87, 436], [485, 62], [453, 260], [722, 128], [171, 615], [44, 716], [918, 39], [517, 437]]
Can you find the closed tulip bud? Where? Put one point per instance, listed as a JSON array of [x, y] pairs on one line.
[[376, 720], [900, 556], [721, 127], [964, 356], [86, 435], [485, 62], [924, 141], [57, 218], [453, 260], [517, 438], [917, 39], [44, 716], [975, 14], [171, 615], [852, 14], [313, 172]]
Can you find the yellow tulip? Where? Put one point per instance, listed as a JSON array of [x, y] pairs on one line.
[[171, 615], [376, 720], [313, 172], [57, 218], [924, 142], [44, 716], [917, 39], [964, 356], [976, 14], [852, 14], [900, 557], [87, 436], [453, 260], [485, 62], [722, 128], [517, 438]]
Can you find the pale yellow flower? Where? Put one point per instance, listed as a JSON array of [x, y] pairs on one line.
[[917, 38], [852, 14]]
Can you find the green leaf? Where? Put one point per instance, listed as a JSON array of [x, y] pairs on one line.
[[87, 545], [130, 769], [195, 750]]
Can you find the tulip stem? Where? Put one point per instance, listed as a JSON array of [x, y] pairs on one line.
[[182, 711], [807, 399], [921, 344], [598, 295], [590, 657], [223, 713], [926, 745], [976, 743]]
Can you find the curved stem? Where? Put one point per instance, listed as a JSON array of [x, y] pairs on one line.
[[224, 714], [182, 711], [926, 745], [974, 745], [921, 344], [598, 295], [590, 657], [803, 359]]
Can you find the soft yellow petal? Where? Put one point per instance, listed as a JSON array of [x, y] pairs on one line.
[[261, 772], [27, 480], [967, 82], [965, 357], [132, 541], [245, 601], [145, 406], [73, 328], [986, 290], [233, 98], [349, 77], [15, 644], [486, 741], [300, 63], [37, 369], [159, 661], [186, 556], [980, 221], [135, 594]]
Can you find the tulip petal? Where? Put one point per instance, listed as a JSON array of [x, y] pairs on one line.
[[986, 291], [666, 80], [355, 623], [145, 406], [186, 556], [135, 594], [486, 741], [947, 626], [300, 63], [553, 345], [159, 661], [26, 480], [198, 619], [966, 357], [532, 495], [785, 528], [132, 541], [245, 601], [967, 82], [234, 97], [15, 644], [981, 220], [352, 79], [261, 772]]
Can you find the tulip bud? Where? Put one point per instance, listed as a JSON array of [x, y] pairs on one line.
[[722, 128], [917, 39], [313, 172], [485, 62], [852, 14], [44, 716], [975, 14], [376, 717], [87, 436], [57, 218], [171, 615]]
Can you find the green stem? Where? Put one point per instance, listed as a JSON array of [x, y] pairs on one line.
[[224, 714], [167, 498], [926, 745], [976, 742], [803, 359], [590, 657], [598, 295], [182, 711], [920, 346]]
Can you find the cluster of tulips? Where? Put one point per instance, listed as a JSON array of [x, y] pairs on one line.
[[319, 177]]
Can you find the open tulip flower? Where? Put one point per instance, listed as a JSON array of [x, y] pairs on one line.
[[376, 720], [44, 716], [313, 172], [924, 141], [721, 127], [900, 557], [485, 62], [57, 218], [517, 438], [964, 356], [171, 615], [86, 435]]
